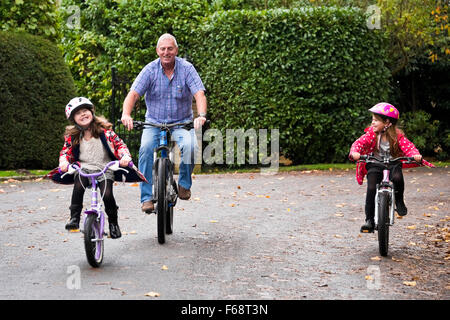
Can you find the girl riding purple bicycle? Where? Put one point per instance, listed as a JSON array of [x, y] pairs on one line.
[[90, 141]]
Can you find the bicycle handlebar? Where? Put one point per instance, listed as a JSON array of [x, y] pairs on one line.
[[113, 165], [138, 125], [369, 158]]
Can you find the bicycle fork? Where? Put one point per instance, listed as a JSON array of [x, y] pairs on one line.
[[386, 187], [96, 209]]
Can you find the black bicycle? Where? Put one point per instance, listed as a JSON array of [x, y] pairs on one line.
[[384, 199], [165, 190]]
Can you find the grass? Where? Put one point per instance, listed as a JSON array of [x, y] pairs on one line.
[[22, 173], [211, 170], [302, 167]]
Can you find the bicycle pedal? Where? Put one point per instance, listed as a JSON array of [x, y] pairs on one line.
[[74, 230]]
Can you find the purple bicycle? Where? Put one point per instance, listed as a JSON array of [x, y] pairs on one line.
[[94, 217]]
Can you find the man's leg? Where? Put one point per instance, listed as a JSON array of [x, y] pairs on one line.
[[149, 141], [187, 142]]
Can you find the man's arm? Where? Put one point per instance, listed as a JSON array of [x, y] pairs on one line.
[[200, 101], [128, 105]]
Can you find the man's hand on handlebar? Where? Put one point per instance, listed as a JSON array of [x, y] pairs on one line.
[[199, 122], [127, 121]]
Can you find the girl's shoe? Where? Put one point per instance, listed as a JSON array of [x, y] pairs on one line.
[[114, 230], [73, 224], [368, 226], [401, 208]]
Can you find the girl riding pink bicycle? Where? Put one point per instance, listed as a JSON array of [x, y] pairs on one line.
[[383, 139]]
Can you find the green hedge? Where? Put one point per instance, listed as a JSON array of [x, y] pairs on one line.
[[124, 34], [311, 72], [35, 86]]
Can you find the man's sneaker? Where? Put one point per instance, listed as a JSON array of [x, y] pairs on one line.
[[401, 208], [148, 207], [184, 194], [368, 226]]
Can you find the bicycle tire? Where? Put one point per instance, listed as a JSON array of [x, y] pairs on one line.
[[169, 215], [169, 222], [94, 250], [383, 223], [161, 208]]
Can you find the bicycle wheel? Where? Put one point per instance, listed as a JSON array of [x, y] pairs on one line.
[[383, 223], [174, 192], [94, 249], [162, 206]]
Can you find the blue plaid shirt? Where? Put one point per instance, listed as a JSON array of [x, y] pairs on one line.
[[168, 101]]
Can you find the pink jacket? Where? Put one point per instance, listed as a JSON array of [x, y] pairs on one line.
[[366, 144]]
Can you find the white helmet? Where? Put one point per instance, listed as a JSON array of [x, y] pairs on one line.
[[76, 103]]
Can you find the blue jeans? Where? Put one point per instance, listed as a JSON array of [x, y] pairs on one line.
[[187, 143]]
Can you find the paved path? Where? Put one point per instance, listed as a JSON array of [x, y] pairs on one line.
[[241, 236]]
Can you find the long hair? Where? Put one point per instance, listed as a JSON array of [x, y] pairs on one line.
[[391, 134], [97, 125]]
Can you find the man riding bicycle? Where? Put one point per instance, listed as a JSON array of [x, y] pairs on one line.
[[168, 83]]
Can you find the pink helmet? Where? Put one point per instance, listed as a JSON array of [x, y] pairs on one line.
[[385, 109], [76, 103]]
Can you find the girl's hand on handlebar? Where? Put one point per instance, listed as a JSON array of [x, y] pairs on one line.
[[127, 121], [418, 158], [124, 162], [356, 156], [64, 168]]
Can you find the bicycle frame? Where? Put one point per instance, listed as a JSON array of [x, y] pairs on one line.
[[386, 184], [388, 187]]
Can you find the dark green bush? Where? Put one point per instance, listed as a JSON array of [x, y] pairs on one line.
[[423, 132], [311, 72], [35, 86]]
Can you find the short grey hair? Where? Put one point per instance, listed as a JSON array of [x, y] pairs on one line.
[[167, 36]]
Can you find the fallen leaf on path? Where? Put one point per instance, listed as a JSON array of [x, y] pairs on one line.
[[377, 258], [152, 294], [164, 267], [409, 283], [213, 221], [413, 227]]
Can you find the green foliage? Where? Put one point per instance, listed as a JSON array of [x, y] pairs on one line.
[[311, 72], [35, 85], [423, 132], [124, 34], [38, 17]]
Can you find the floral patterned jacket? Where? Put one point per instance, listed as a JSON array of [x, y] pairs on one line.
[[367, 143], [115, 147]]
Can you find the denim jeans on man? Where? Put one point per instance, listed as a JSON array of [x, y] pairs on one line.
[[187, 143]]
